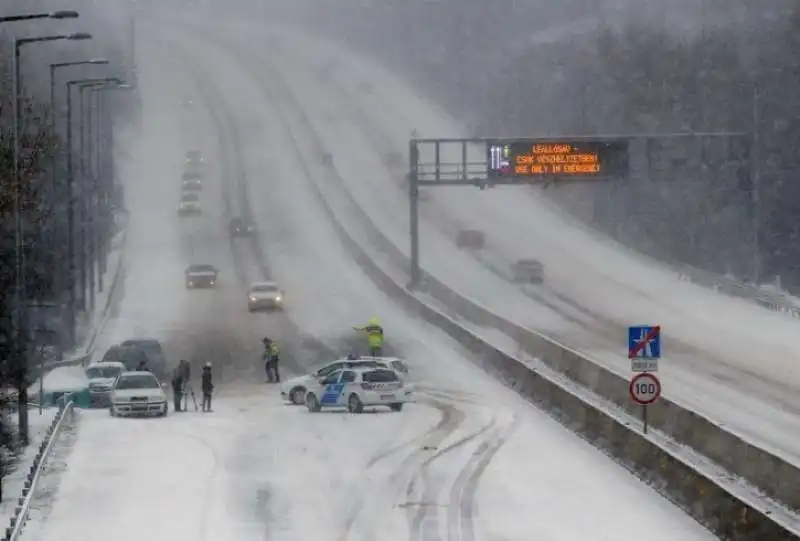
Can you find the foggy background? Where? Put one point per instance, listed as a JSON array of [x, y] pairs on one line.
[[517, 68]]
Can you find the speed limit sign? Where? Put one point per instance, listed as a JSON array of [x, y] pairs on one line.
[[645, 388]]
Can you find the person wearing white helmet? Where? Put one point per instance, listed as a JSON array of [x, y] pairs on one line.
[[207, 387]]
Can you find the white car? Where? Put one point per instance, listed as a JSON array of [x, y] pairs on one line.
[[294, 390], [138, 394], [356, 388], [101, 378], [264, 295], [190, 204]]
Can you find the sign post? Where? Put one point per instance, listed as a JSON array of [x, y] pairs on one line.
[[644, 351]]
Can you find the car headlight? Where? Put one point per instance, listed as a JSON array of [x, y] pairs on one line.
[[278, 298], [252, 299]]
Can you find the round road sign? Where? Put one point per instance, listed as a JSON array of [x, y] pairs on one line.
[[645, 388]]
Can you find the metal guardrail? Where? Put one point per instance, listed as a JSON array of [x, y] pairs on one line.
[[776, 301], [20, 517]]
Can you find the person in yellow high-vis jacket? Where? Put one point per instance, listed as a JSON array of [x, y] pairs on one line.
[[374, 333]]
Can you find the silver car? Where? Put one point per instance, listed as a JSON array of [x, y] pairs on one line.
[[264, 295]]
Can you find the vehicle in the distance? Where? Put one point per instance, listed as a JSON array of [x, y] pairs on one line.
[[153, 350], [200, 275], [130, 357], [470, 239], [264, 295], [294, 390], [192, 185], [357, 388], [528, 271], [101, 378], [240, 228], [195, 156], [138, 394], [190, 204]]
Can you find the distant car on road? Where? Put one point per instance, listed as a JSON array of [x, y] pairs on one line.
[[154, 352], [264, 295], [138, 394], [195, 156], [471, 239], [190, 204], [101, 378], [129, 357], [240, 228], [192, 185], [357, 388], [528, 271], [201, 276]]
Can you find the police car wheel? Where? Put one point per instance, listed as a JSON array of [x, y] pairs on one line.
[[396, 407], [354, 404], [312, 403], [297, 396]]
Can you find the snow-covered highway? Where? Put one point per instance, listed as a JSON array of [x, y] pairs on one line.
[[724, 358], [470, 461]]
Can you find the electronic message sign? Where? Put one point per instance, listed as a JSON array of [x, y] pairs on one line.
[[558, 158]]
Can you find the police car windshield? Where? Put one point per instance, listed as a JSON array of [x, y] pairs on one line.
[[379, 376], [137, 382], [103, 372], [202, 268]]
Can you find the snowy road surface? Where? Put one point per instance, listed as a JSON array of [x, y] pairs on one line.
[[255, 469], [746, 381]]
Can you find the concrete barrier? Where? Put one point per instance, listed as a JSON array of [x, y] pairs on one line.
[[703, 497]]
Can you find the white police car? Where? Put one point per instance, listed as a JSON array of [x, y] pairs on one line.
[[294, 390], [356, 388]]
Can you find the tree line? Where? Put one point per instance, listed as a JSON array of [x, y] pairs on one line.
[[41, 189]]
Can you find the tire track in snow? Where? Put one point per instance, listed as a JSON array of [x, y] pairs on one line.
[[425, 522]]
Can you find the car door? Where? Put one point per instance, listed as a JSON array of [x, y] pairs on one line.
[[332, 389], [346, 381]]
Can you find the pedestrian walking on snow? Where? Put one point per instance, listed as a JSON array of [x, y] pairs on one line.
[[207, 387]]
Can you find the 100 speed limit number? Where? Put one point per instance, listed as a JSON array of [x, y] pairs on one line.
[[645, 388]]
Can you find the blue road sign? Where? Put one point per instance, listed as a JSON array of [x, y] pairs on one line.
[[644, 342]]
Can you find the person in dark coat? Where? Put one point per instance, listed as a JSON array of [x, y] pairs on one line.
[[177, 389], [142, 367], [208, 387]]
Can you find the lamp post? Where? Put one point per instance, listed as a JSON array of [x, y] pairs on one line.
[[71, 230], [61, 14], [19, 264], [58, 285], [104, 172]]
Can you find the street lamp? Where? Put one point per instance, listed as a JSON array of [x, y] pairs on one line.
[[61, 14], [59, 289], [103, 153], [19, 264], [71, 270]]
